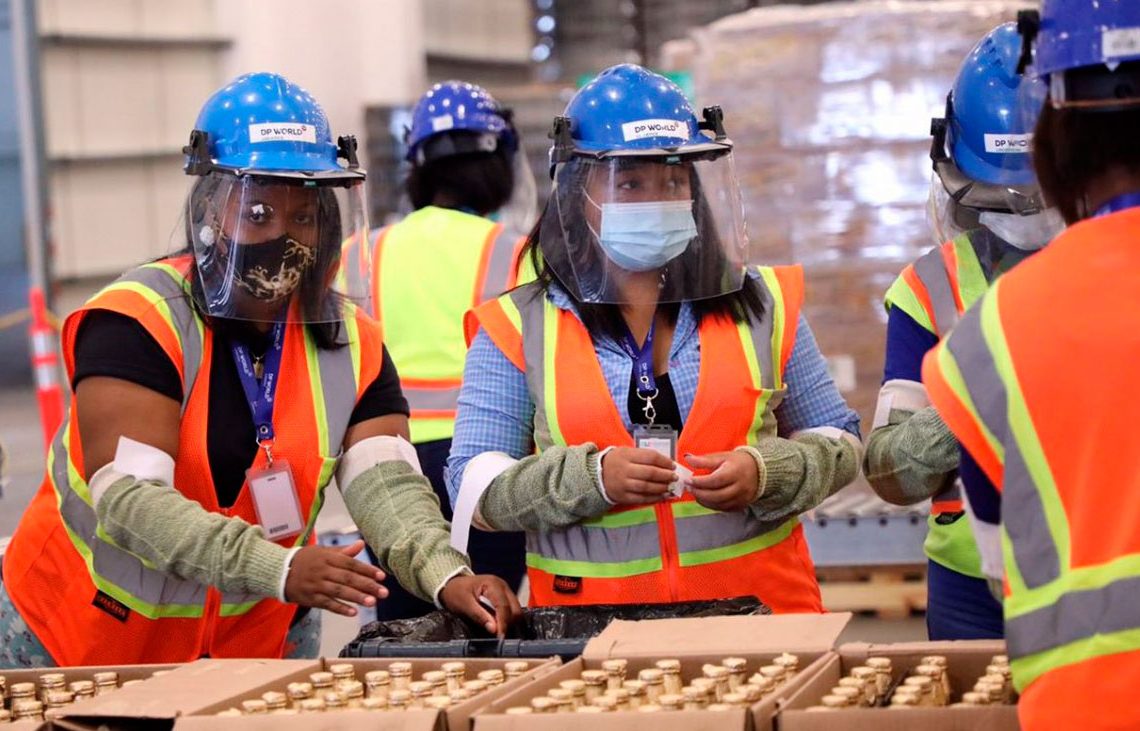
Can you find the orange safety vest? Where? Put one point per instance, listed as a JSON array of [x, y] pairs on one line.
[[678, 550], [1063, 456], [91, 602], [450, 261]]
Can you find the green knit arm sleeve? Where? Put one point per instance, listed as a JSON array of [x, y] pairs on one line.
[[177, 536], [801, 472], [398, 514], [912, 457], [546, 491]]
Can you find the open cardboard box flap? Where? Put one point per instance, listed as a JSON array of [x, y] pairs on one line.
[[723, 636]]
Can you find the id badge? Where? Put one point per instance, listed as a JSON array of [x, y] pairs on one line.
[[663, 440], [275, 500]]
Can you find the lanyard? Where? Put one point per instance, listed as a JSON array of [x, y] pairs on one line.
[[260, 394], [1119, 203], [642, 357]]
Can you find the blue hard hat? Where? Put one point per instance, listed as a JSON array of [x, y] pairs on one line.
[[1076, 33], [988, 133], [627, 109], [264, 123], [457, 106]]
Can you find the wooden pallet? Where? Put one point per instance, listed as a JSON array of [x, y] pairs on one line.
[[889, 592]]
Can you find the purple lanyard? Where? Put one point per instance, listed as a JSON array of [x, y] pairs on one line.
[[260, 394], [642, 362], [1119, 203]]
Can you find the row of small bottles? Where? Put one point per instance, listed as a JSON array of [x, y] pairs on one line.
[[339, 689], [51, 694], [928, 684], [662, 688]]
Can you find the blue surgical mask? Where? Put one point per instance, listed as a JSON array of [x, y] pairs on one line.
[[641, 237]]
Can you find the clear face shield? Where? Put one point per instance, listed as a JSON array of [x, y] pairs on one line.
[[267, 249], [664, 228]]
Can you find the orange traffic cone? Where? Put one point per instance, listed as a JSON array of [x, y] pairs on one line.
[[45, 365]]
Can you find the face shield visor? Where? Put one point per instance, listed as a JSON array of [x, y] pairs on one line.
[[636, 228], [949, 219], [268, 248]]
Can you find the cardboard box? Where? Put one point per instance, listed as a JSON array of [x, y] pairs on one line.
[[456, 718], [31, 675], [967, 661], [694, 642]]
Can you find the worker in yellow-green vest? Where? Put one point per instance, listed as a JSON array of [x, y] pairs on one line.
[[988, 216], [473, 199]]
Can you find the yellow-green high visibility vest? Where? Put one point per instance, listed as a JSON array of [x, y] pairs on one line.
[[428, 270]]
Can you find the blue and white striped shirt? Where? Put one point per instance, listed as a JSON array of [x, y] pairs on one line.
[[496, 413]]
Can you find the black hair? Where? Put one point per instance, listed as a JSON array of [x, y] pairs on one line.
[[697, 269], [479, 181], [1073, 147], [318, 299]]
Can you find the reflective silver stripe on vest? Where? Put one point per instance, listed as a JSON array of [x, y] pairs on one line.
[[616, 545], [183, 315], [1027, 527], [931, 271], [597, 545], [499, 266], [1075, 615], [339, 386], [431, 399], [717, 530], [762, 341]]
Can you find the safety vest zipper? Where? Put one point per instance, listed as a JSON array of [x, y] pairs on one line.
[[667, 535]]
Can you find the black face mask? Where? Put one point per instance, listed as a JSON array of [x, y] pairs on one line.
[[272, 270]]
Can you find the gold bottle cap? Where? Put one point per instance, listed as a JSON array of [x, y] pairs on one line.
[[879, 663], [435, 677], [81, 687], [312, 705], [1002, 670], [420, 688], [975, 699], [752, 692], [438, 702], [334, 699], [399, 698], [322, 679], [851, 694], [735, 664], [377, 677], [229, 712], [543, 705], [735, 699], [607, 701], [670, 699], [907, 690], [930, 671], [635, 687], [58, 698], [763, 682], [107, 677], [22, 690], [621, 695], [669, 665], [904, 699], [834, 701], [993, 690], [560, 694], [52, 680], [590, 709], [255, 706], [342, 670], [476, 686], [787, 660], [921, 682], [864, 673], [400, 669], [708, 685], [459, 695], [454, 668], [577, 687], [299, 691], [516, 667], [995, 678], [649, 708], [495, 677], [374, 704], [351, 688], [938, 660], [693, 693], [519, 711], [615, 666], [1000, 660], [274, 699], [651, 676], [594, 677]]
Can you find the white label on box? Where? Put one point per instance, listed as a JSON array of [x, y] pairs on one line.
[[1009, 144], [284, 132], [841, 368], [442, 122], [645, 128], [1118, 43]]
